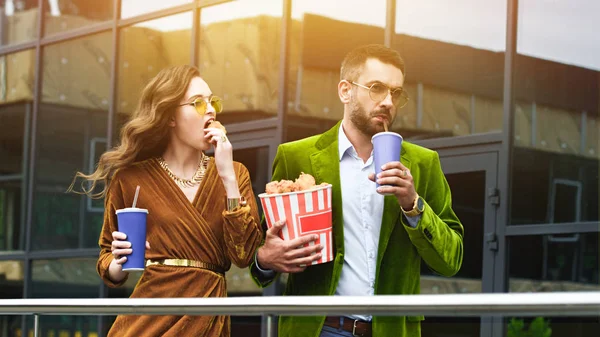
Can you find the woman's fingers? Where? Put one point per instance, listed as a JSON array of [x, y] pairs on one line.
[[119, 236], [120, 244], [121, 252], [121, 260]]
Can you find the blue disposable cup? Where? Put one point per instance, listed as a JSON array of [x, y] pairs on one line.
[[386, 148], [132, 222]]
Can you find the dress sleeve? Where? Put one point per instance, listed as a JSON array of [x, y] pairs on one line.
[[112, 202], [243, 233]]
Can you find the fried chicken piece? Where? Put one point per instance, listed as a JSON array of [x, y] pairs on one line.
[[305, 182], [272, 187], [286, 186], [218, 125]]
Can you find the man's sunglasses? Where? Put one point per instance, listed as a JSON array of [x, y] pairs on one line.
[[201, 104]]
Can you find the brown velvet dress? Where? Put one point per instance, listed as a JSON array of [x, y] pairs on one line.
[[176, 229]]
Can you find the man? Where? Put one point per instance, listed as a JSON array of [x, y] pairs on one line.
[[379, 240]]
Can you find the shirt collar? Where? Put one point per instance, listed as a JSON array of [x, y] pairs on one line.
[[343, 142]]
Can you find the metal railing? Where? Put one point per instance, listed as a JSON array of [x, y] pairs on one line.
[[448, 305]]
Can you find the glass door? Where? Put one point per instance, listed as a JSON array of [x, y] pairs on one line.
[[473, 182]]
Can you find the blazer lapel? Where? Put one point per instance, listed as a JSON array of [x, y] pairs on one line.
[[326, 168], [391, 212]]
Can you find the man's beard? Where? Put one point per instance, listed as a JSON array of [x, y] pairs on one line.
[[363, 120]]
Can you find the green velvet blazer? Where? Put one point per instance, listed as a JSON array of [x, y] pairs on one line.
[[438, 238]]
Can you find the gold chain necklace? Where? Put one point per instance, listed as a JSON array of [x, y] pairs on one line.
[[195, 180]]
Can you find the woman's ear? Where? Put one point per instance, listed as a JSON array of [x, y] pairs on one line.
[[345, 91], [172, 121]]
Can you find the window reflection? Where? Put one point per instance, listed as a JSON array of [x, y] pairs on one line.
[[315, 59], [63, 15], [72, 126], [556, 129], [12, 130], [566, 262], [66, 278], [455, 58], [11, 215], [16, 94], [11, 286], [575, 41], [130, 8], [564, 190], [145, 49], [19, 21], [239, 56]]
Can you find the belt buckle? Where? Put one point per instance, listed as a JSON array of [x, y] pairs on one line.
[[354, 329]]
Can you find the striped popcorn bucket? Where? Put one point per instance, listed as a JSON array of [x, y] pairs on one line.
[[306, 212]]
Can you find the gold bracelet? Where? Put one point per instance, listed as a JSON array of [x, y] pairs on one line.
[[234, 203]]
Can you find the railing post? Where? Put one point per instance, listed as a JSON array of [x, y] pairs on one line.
[[270, 325], [36, 325]]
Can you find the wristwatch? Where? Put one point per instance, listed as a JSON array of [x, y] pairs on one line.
[[418, 207], [234, 203]]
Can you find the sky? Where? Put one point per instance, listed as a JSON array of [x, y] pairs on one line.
[[565, 31]]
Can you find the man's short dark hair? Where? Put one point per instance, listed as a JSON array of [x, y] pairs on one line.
[[355, 60]]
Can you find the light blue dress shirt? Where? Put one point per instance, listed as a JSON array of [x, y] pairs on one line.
[[363, 210]]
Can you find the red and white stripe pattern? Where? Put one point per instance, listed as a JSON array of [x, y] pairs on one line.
[[306, 212]]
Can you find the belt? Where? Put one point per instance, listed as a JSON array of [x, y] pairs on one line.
[[187, 263], [356, 327]]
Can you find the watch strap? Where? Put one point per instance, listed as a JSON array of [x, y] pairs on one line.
[[415, 209]]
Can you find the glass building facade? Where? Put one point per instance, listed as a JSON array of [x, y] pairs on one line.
[[507, 92]]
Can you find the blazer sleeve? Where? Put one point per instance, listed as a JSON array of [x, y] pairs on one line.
[[439, 235], [280, 171]]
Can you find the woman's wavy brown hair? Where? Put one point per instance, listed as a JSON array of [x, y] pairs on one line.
[[146, 135]]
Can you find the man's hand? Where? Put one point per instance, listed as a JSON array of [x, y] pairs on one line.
[[287, 256], [401, 183]]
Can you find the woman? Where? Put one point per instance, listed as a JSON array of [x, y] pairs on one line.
[[197, 204]]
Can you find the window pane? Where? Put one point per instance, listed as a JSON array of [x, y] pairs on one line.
[[545, 263], [256, 161], [554, 263], [454, 54], [556, 113], [145, 49], [239, 57], [72, 127], [11, 286], [565, 189], [131, 8], [19, 21], [468, 201], [63, 15], [315, 58], [12, 209], [15, 108], [66, 278]]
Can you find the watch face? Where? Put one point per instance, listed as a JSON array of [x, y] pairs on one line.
[[420, 204]]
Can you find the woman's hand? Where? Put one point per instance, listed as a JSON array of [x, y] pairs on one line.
[[120, 249], [223, 159]]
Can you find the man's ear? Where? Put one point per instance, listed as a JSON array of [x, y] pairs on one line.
[[345, 91]]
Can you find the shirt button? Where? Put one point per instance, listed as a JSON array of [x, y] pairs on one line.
[[371, 255]]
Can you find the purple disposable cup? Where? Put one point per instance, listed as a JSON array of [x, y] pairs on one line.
[[386, 148], [132, 222]]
